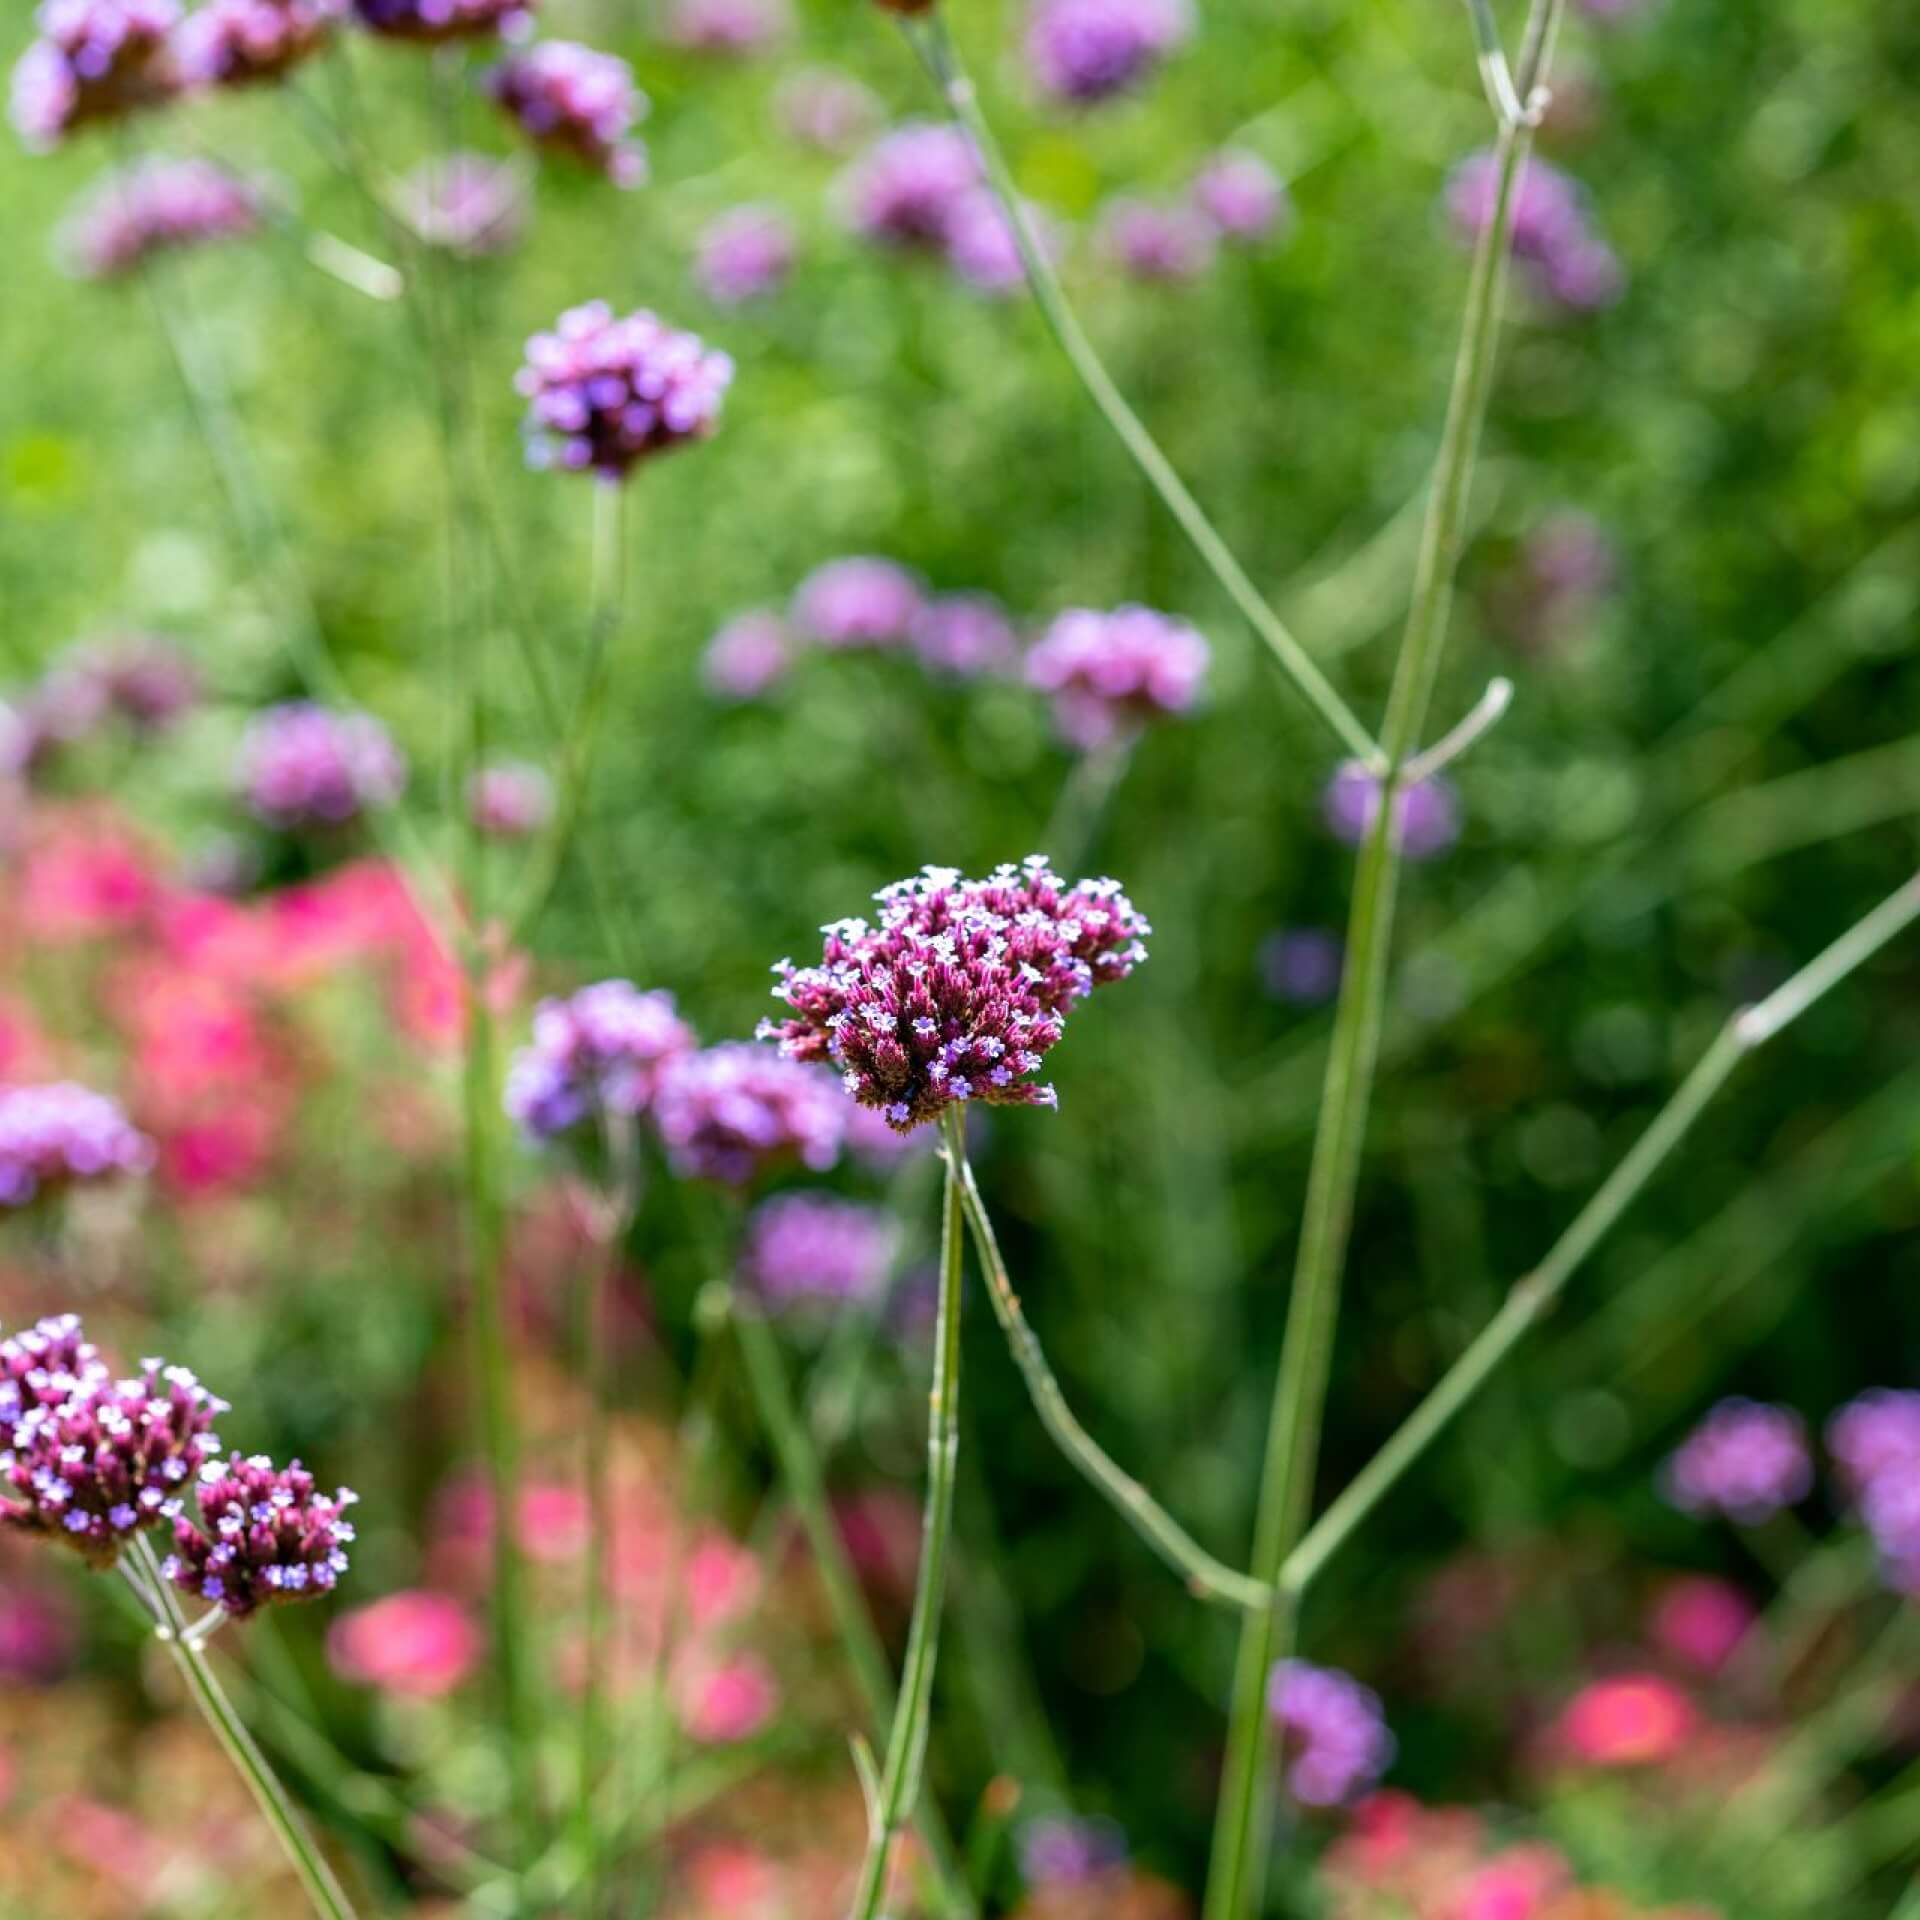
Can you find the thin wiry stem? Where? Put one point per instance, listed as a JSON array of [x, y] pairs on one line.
[[930, 40], [907, 1739], [1244, 1821], [1207, 1577], [1535, 1296]]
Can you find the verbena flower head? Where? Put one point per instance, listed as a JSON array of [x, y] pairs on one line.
[[304, 765], [1745, 1460], [963, 636], [1875, 1433], [1240, 194], [1890, 1509], [824, 108], [95, 60], [909, 185], [61, 1135], [960, 990], [237, 43], [605, 393], [1059, 1851], [154, 207], [743, 254], [265, 1534], [112, 1457], [510, 799], [747, 656], [1627, 1720], [733, 28], [806, 1249], [983, 249], [733, 1111], [573, 100], [466, 204], [1426, 813], [601, 1050], [1155, 243], [859, 602], [1553, 231], [1110, 672], [1087, 50], [1302, 965], [1333, 1733], [43, 1366], [145, 679], [435, 20]]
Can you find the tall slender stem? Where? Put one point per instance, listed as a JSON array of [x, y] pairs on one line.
[[1244, 1821], [907, 1741], [930, 40], [190, 1657]]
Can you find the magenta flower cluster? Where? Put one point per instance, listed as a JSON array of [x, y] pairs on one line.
[[94, 60], [303, 765], [961, 988], [806, 1249], [571, 100], [733, 28], [154, 207], [1745, 1460], [1154, 242], [1426, 814], [237, 43], [1108, 673], [1554, 236], [1060, 1851], [264, 1534], [61, 1135], [861, 602], [1334, 1739], [141, 680], [602, 1050], [1240, 195], [509, 799], [465, 204], [605, 393], [1082, 51], [905, 189], [1875, 1442], [744, 254], [436, 20], [733, 1111]]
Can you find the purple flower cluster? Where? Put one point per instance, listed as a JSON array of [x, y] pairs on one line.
[[733, 1111], [749, 654], [1745, 1460], [1159, 244], [303, 765], [153, 207], [94, 60], [858, 602], [1553, 233], [826, 109], [1082, 51], [44, 1366], [1333, 1733], [571, 100], [61, 1135], [509, 800], [1240, 195], [1302, 965], [1875, 1441], [734, 28], [237, 43], [466, 204], [601, 1050], [437, 20], [1109, 673], [1563, 567], [265, 1534], [905, 190], [744, 254], [1426, 813], [805, 1249], [140, 679], [961, 989], [963, 636], [604, 393], [108, 1457], [1063, 1852]]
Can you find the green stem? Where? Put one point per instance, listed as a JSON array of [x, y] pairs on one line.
[[936, 50], [1207, 1577], [323, 1889], [907, 1741], [1244, 1822]]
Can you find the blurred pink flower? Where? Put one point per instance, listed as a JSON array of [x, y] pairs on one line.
[[729, 1701], [1698, 1621], [1632, 1720], [36, 1635], [1514, 1885], [417, 1642], [84, 880]]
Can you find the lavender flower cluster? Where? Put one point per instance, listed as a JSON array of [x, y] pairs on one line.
[[1426, 813], [61, 1135], [1567, 260], [1083, 51], [730, 1111], [94, 61], [1333, 1733], [265, 1533], [605, 393], [1745, 1460], [237, 43], [154, 207], [603, 1050], [808, 1250], [307, 766], [744, 254], [465, 204], [433, 21], [139, 679], [1107, 673], [1875, 1440], [509, 799], [571, 100], [960, 990]]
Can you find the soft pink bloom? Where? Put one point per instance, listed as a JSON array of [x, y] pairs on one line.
[[748, 655], [721, 1581], [1632, 1720], [85, 880], [1514, 1885], [419, 1643], [1699, 1621], [728, 1702]]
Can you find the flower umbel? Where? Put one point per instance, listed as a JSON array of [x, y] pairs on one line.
[[1109, 673], [154, 207], [237, 43], [302, 765], [95, 60], [1332, 1729], [576, 101], [602, 1050], [61, 1134], [268, 1535], [1745, 1460], [731, 1111]]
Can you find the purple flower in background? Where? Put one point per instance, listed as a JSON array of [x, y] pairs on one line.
[[1087, 50], [432, 20], [733, 1111], [982, 247], [874, 1142], [1563, 567], [465, 204], [1159, 244], [744, 253], [1890, 1509], [604, 393], [267, 1534], [749, 654], [95, 60], [1059, 1851], [605, 1049], [1333, 1733], [1302, 965], [44, 1365], [733, 27], [964, 635], [1553, 233], [147, 680], [858, 602], [1877, 1432], [1612, 13], [1745, 1460], [1240, 194], [906, 189], [237, 43], [59, 1135], [155, 206], [824, 108], [1426, 814], [112, 1457], [960, 991], [510, 799], [1111, 672], [572, 100], [808, 1249], [303, 765]]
